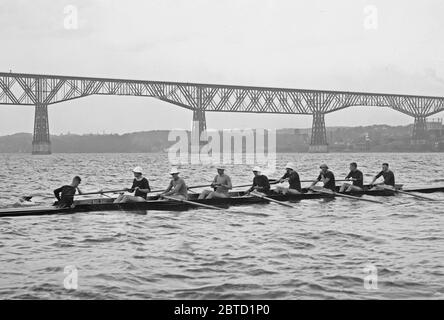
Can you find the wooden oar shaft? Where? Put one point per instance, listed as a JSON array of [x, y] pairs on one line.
[[193, 203], [201, 186], [101, 192], [346, 196], [356, 198], [413, 195], [272, 200], [308, 181]]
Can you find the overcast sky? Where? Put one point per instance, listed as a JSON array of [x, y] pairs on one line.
[[280, 43]]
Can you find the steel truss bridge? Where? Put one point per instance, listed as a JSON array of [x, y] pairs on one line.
[[41, 91]]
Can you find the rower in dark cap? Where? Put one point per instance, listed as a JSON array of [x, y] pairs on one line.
[[260, 182], [327, 177], [387, 174], [356, 176]]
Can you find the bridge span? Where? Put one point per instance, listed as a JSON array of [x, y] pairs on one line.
[[44, 90]]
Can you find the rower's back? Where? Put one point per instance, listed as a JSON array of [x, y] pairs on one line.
[[66, 198]]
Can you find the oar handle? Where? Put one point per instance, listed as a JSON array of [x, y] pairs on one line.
[[101, 192]]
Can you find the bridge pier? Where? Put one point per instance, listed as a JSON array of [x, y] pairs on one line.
[[199, 126], [41, 143], [419, 134], [318, 134]]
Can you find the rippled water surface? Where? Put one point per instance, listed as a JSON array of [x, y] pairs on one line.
[[318, 250]]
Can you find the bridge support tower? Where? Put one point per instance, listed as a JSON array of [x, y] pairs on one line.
[[419, 134], [199, 126], [318, 142], [41, 143]]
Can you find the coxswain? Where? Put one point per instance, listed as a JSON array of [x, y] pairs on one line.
[[140, 188], [387, 174], [221, 185], [65, 194], [177, 188], [356, 177], [260, 182], [327, 177], [292, 177]]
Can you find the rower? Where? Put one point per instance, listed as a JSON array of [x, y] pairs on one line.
[[387, 174], [356, 176], [140, 187], [177, 188], [65, 194], [293, 179], [221, 185], [260, 182], [327, 177]]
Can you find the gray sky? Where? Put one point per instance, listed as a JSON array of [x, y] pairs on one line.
[[280, 43]]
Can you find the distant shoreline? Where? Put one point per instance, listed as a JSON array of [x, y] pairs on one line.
[[370, 139]]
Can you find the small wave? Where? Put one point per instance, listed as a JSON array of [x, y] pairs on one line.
[[431, 238], [403, 215], [173, 276], [260, 272], [168, 226], [351, 235]]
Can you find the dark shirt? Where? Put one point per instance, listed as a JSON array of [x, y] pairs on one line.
[[142, 184], [293, 180], [262, 182], [65, 195], [358, 178], [331, 184], [389, 177]]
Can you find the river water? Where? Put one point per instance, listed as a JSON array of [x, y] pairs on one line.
[[324, 249]]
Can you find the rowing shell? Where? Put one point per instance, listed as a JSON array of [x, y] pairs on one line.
[[153, 203]]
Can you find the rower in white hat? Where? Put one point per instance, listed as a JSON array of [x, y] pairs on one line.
[[260, 182], [140, 188], [177, 188], [292, 177], [221, 185]]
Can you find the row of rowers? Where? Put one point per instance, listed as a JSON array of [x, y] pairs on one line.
[[222, 183]]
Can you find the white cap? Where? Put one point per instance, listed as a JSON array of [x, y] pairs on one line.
[[291, 166], [257, 169], [138, 170], [220, 167], [174, 170]]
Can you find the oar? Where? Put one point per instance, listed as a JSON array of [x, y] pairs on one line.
[[328, 191], [408, 193], [193, 203], [201, 186], [271, 181], [112, 191], [272, 200], [100, 192], [214, 208]]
